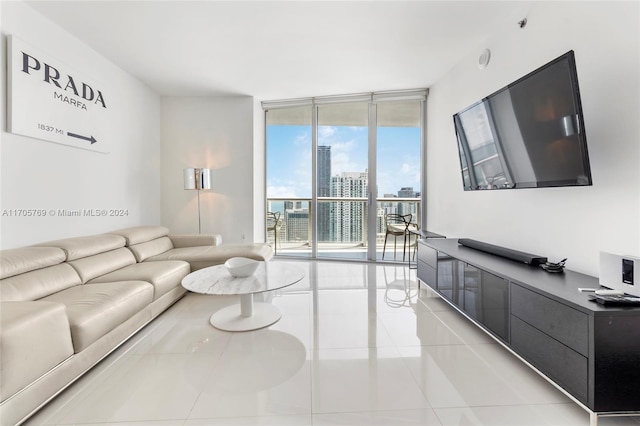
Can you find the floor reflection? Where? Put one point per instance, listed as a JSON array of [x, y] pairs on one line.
[[357, 344]]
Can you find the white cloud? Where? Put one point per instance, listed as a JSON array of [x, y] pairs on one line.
[[343, 159], [326, 131]]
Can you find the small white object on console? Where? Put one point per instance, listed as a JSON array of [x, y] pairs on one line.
[[620, 273]]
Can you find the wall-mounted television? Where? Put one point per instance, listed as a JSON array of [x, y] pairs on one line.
[[529, 134]]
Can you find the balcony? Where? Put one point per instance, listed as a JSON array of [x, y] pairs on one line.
[[342, 227]]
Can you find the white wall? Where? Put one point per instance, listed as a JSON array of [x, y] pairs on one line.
[[42, 175], [215, 133], [574, 222]]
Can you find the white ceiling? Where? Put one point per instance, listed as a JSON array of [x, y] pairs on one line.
[[284, 49]]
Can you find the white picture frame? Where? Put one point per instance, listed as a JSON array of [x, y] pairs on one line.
[[50, 101]]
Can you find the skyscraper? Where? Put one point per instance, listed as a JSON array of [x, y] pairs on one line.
[[324, 190], [406, 192], [297, 225], [408, 208], [348, 218]]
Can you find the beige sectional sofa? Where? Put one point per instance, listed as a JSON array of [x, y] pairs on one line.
[[66, 304]]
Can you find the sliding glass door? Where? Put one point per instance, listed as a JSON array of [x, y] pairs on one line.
[[399, 177], [289, 180], [342, 180]]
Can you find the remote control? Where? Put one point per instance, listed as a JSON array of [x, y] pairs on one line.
[[617, 300]]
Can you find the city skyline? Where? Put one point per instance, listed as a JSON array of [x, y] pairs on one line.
[[339, 221], [289, 157]]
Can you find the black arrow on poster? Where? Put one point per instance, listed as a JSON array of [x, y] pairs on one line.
[[86, 138]]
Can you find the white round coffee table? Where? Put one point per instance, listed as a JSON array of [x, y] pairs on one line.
[[216, 280]]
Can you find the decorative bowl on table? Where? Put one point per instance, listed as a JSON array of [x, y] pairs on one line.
[[241, 266]]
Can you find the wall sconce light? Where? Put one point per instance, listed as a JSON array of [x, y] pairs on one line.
[[197, 179]]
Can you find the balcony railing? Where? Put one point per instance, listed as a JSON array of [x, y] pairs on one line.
[[342, 227]]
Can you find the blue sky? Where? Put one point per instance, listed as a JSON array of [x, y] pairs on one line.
[[289, 157]]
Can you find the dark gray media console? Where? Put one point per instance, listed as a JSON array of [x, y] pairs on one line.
[[589, 350]]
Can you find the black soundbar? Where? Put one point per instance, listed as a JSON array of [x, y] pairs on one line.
[[518, 256]]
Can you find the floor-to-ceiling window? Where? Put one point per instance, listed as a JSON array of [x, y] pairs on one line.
[[399, 175], [338, 168]]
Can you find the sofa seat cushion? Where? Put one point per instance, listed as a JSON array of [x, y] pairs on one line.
[[35, 338], [205, 256], [165, 276], [96, 309]]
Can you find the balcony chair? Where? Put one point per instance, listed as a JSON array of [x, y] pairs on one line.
[[274, 223], [397, 226]]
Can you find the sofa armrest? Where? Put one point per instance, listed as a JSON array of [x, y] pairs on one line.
[[34, 338], [194, 240]]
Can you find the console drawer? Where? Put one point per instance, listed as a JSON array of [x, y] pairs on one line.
[[428, 255], [427, 274], [565, 324], [563, 365]]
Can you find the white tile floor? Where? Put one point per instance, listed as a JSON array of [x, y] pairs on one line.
[[357, 344]]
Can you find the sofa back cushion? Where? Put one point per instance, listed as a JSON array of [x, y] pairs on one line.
[[25, 259], [146, 241], [80, 247], [147, 249], [37, 284], [30, 273], [99, 264], [94, 255], [141, 234]]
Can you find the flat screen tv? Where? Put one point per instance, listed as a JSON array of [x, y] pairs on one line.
[[529, 134]]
